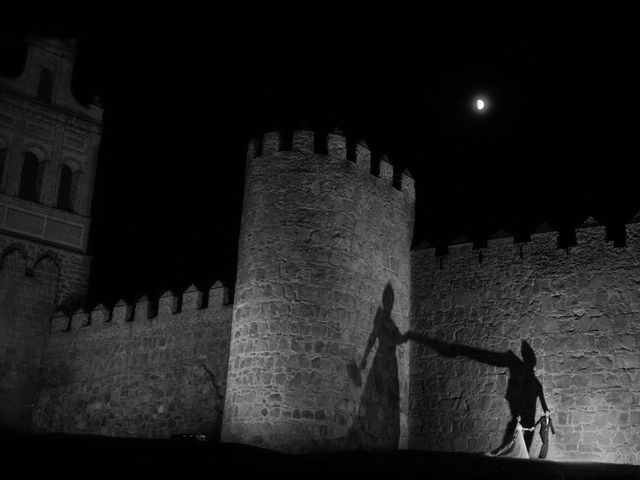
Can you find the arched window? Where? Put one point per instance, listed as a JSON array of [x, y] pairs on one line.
[[30, 179], [45, 87], [67, 188]]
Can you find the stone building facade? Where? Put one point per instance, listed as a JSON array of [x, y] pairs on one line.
[[48, 153], [339, 337]]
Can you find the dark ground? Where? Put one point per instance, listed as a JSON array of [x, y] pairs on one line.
[[88, 457]]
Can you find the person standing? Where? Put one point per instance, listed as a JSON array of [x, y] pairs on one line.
[[545, 424], [515, 447]]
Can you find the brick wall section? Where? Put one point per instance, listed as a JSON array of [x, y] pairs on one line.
[[124, 374], [25, 307], [579, 312], [321, 237]]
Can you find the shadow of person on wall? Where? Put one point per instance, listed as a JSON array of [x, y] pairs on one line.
[[377, 422], [523, 388]]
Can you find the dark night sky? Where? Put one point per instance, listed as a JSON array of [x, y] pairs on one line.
[[184, 92]]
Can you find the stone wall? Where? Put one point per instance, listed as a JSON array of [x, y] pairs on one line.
[[43, 263], [323, 276], [34, 279], [478, 326], [138, 371], [27, 298]]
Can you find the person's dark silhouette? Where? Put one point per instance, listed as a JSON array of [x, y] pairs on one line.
[[523, 388], [546, 424], [377, 423]]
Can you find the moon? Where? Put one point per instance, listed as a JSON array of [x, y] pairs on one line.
[[480, 104]]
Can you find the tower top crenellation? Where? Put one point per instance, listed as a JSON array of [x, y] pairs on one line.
[[333, 145]]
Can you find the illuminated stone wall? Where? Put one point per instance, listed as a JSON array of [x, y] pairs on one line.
[[579, 311], [321, 239], [138, 372]]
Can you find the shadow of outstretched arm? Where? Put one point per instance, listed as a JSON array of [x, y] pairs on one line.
[[540, 393], [447, 349], [370, 343]]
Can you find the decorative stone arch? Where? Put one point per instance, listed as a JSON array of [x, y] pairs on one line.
[[37, 150], [51, 255], [11, 249], [72, 162]]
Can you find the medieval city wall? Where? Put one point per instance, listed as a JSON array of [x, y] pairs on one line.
[[324, 246], [579, 312], [150, 370]]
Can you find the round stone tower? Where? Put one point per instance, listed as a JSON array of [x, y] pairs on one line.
[[318, 359]]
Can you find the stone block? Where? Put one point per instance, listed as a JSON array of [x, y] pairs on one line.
[[100, 315], [218, 295], [363, 156], [122, 312], [168, 303], [303, 141], [337, 145], [270, 143], [79, 319], [192, 299], [141, 309], [386, 169]]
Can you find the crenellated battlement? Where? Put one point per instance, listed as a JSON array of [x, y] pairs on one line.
[[571, 298], [152, 369], [147, 311], [544, 238], [334, 145]]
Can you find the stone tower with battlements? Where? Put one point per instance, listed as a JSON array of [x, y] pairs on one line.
[[322, 298], [48, 152]]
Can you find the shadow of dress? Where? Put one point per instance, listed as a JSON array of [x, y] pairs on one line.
[[377, 424]]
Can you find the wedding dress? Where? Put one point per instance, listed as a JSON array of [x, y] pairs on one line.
[[515, 448]]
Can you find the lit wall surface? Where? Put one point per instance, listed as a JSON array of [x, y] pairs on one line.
[[480, 326]]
